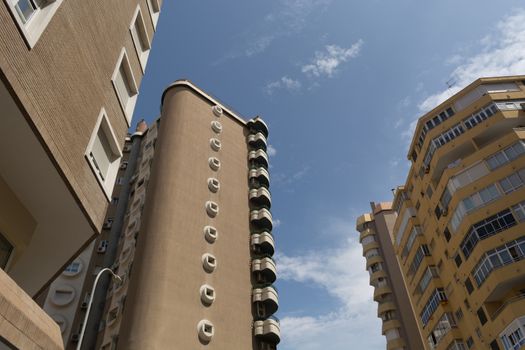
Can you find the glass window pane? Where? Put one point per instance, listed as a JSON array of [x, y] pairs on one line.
[[6, 249], [25, 9]]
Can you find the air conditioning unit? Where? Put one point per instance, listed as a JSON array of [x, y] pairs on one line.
[[123, 166], [84, 305], [127, 148], [101, 249], [427, 169], [107, 225], [75, 338]]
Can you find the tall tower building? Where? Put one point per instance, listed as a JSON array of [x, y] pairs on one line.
[[394, 308], [459, 234], [69, 78], [190, 232]]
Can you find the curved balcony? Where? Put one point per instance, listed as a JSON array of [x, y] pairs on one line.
[[373, 260], [364, 233], [261, 175], [262, 218], [268, 330], [384, 307], [258, 125], [376, 275], [369, 246], [363, 219], [388, 325], [259, 157], [395, 344], [257, 141], [380, 291], [266, 267], [260, 196], [263, 243], [268, 297]]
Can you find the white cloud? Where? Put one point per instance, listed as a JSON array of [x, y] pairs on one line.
[[276, 223], [283, 83], [341, 272], [503, 53], [271, 151], [326, 62], [287, 179]]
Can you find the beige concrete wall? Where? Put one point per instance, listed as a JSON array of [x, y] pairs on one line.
[[65, 79], [22, 322], [164, 307]]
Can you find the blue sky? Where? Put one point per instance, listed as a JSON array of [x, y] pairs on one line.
[[340, 84]]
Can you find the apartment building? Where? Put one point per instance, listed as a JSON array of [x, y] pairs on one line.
[[394, 308], [69, 72], [459, 235], [190, 232]]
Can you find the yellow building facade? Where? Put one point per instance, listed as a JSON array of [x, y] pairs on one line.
[[460, 235]]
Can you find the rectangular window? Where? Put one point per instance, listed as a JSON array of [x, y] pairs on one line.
[[154, 10], [6, 249], [140, 38], [32, 17], [103, 153], [431, 272], [432, 304], [481, 316], [506, 155], [469, 286], [418, 258], [125, 85]]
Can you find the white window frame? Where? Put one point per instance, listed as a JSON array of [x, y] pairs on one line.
[[37, 23], [108, 182], [154, 12], [129, 107], [146, 42]]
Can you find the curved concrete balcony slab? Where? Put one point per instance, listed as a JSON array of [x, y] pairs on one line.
[[371, 245], [380, 291], [364, 233], [262, 218], [268, 330], [363, 219], [258, 125], [268, 296], [257, 141], [388, 325], [263, 243], [259, 157], [384, 307], [372, 260], [261, 196], [376, 275], [261, 175], [266, 267], [395, 344]]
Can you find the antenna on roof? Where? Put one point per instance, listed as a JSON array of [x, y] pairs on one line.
[[450, 83]]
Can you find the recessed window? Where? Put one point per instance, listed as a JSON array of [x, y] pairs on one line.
[[154, 11], [206, 330], [210, 233], [214, 163], [217, 110], [209, 262], [6, 249], [72, 269], [32, 17], [103, 153], [140, 38], [125, 85], [207, 294], [62, 295], [212, 208], [216, 126], [213, 184], [215, 144], [112, 315]]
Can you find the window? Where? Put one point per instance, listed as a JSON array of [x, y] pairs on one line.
[[506, 155], [416, 231], [430, 272], [470, 342], [32, 17], [125, 85], [154, 9], [6, 249], [513, 337], [442, 328], [457, 345], [503, 255], [418, 258], [432, 304], [469, 286], [481, 316], [103, 153], [494, 345], [140, 38], [459, 314], [73, 268], [486, 228], [457, 260]]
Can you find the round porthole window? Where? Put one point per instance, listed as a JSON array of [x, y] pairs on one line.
[[216, 126], [209, 262], [212, 208], [215, 144], [217, 110], [213, 184], [206, 330], [210, 234], [207, 294]]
